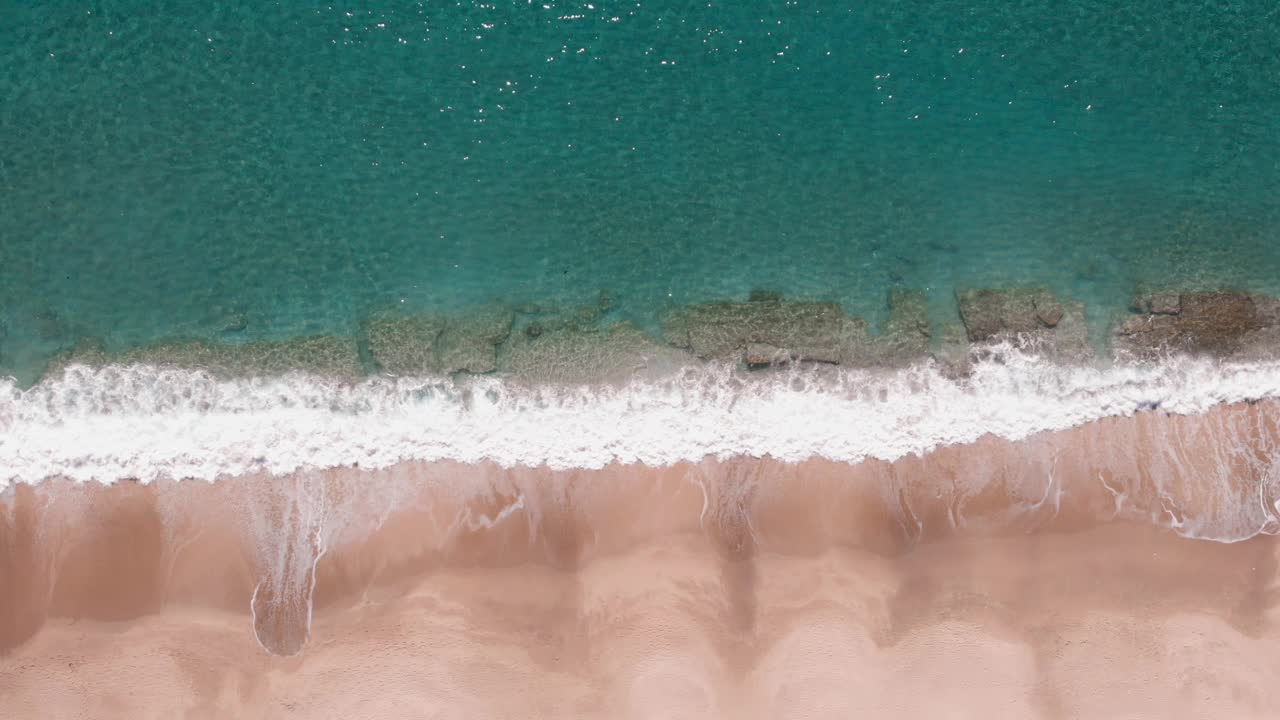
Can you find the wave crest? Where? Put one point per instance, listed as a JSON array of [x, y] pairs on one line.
[[145, 422]]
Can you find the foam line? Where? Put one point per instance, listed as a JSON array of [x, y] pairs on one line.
[[146, 423]]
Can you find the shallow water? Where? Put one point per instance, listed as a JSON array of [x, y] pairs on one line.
[[292, 169]]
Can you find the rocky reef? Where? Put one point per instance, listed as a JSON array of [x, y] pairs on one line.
[[438, 344], [760, 331], [588, 342], [1223, 324], [610, 354], [1033, 317], [767, 330]]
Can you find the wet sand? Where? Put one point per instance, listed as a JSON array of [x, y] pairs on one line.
[[1056, 577]]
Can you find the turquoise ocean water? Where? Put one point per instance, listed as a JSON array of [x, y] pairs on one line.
[[167, 165]]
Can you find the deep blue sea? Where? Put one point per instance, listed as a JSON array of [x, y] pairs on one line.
[[164, 165]]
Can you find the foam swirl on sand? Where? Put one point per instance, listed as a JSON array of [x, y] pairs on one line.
[[147, 423]]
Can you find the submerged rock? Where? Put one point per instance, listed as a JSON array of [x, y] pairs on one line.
[[1033, 318], [989, 313], [614, 354], [1050, 314], [813, 331], [767, 331], [429, 343], [536, 319], [1217, 323], [469, 342], [906, 334], [760, 354], [1158, 303], [1069, 340], [228, 319], [404, 344], [235, 322], [908, 314]]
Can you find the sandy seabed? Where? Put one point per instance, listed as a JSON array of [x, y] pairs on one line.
[[1063, 576]]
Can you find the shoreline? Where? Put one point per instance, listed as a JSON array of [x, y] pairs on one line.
[[764, 377], [800, 540], [1056, 576], [149, 423], [1215, 476]]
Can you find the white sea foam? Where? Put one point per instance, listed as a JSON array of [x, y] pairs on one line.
[[147, 423]]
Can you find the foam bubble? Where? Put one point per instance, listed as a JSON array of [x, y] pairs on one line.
[[148, 423]]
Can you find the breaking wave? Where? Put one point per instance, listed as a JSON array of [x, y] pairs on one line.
[[147, 423]]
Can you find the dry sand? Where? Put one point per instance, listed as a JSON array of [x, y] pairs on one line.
[[1039, 579]]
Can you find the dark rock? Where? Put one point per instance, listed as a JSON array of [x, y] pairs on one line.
[[612, 354], [989, 313], [1158, 304], [425, 343], [533, 330], [404, 344], [1032, 318], [908, 314], [585, 317], [1211, 323], [1068, 339], [807, 330], [1049, 312], [469, 342], [761, 354], [906, 333], [1259, 345], [1268, 309]]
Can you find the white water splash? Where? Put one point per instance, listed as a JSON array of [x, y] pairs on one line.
[[148, 423]]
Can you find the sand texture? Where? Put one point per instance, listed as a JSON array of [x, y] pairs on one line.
[[1056, 577]]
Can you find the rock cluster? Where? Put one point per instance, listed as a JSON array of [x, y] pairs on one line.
[[764, 330], [404, 344], [768, 331], [987, 313], [469, 342], [577, 344], [906, 335], [417, 344], [611, 354], [1223, 324], [1031, 317]]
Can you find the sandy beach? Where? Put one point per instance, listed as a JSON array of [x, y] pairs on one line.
[[1056, 577]]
